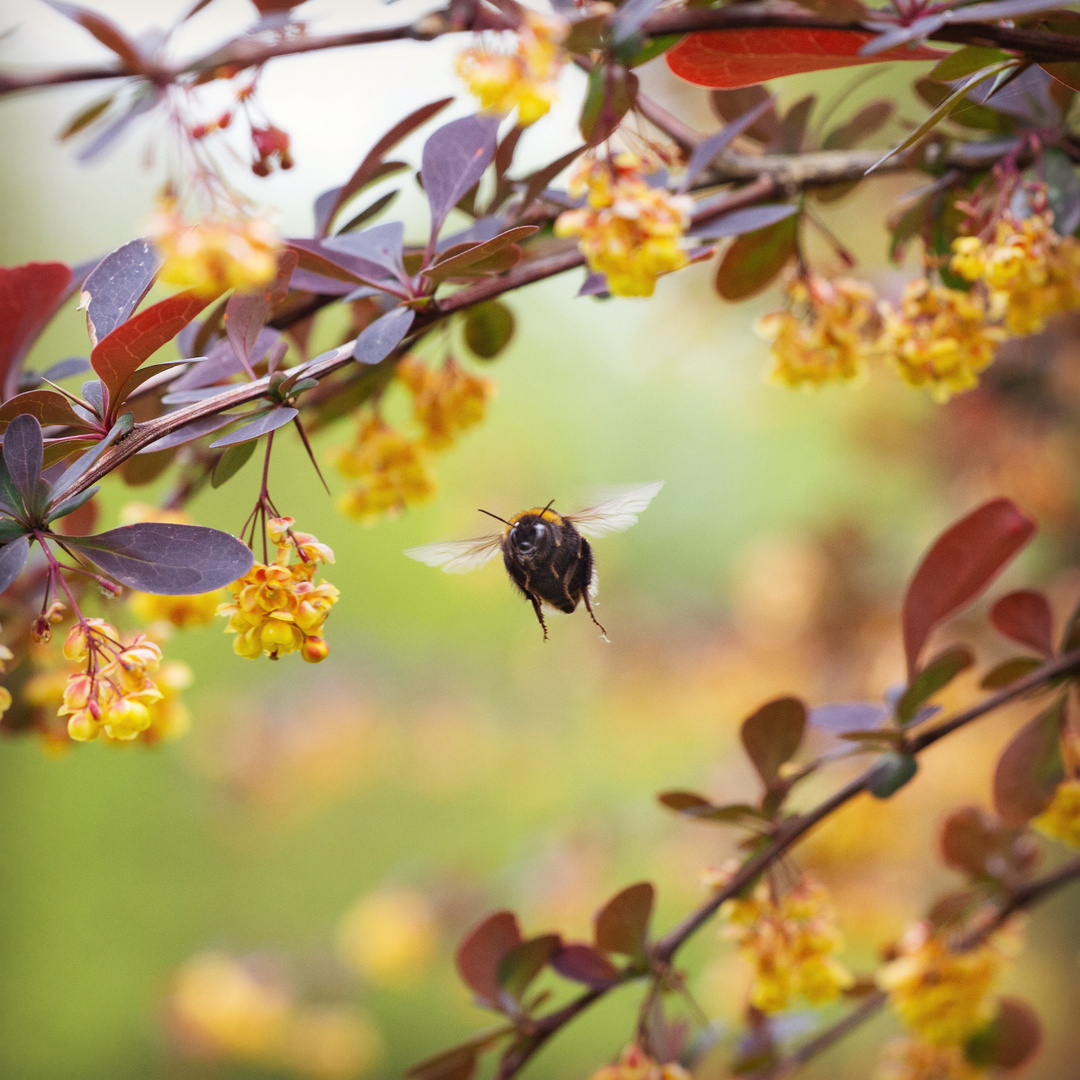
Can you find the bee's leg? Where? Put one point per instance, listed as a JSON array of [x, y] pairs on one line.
[[539, 614], [588, 608]]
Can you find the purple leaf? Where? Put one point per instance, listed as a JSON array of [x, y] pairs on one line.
[[377, 341], [223, 363], [13, 556], [583, 964], [705, 151], [842, 716], [594, 285], [268, 422], [64, 369], [629, 18], [743, 221], [454, 159], [168, 559], [144, 100], [381, 245], [323, 261], [23, 452], [306, 281], [117, 285]]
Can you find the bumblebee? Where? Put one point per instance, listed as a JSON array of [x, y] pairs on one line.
[[546, 553]]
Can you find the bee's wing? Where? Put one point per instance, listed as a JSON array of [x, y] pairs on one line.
[[617, 512], [458, 556]]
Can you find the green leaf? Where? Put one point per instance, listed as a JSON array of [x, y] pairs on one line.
[[755, 259], [489, 326], [650, 48], [522, 964], [937, 674], [893, 771], [608, 98], [231, 462], [69, 506], [1008, 671], [967, 61]]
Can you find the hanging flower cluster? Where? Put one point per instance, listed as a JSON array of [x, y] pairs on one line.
[[523, 78], [941, 338], [278, 608], [446, 401], [626, 230], [943, 996], [1061, 819], [220, 1007], [635, 1064], [393, 470], [113, 691], [217, 253], [790, 942], [827, 333], [1030, 271]]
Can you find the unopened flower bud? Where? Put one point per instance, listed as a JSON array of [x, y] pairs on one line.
[[315, 650]]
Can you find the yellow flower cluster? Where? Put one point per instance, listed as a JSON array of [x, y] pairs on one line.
[[163, 613], [216, 253], [446, 401], [523, 79], [941, 995], [826, 335], [941, 338], [909, 1059], [278, 608], [389, 936], [113, 691], [1061, 819], [626, 230], [790, 943], [392, 471], [635, 1064], [1029, 269], [220, 1008]]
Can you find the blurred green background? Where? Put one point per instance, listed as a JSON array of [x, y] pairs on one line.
[[443, 748]]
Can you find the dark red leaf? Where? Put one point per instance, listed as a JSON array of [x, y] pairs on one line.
[[29, 295], [959, 566], [1025, 616], [483, 951], [456, 1064], [622, 924], [771, 736], [47, 405], [1010, 1040], [729, 105], [23, 452], [726, 59], [611, 92], [583, 964], [1030, 768], [105, 30], [974, 842], [117, 355]]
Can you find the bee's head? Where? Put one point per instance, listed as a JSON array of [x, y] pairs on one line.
[[530, 535]]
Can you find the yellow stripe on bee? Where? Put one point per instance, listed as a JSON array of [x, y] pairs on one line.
[[537, 512]]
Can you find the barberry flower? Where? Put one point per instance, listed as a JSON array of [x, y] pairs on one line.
[[827, 333], [216, 253], [446, 401], [392, 471], [943, 996], [1061, 819], [635, 1064], [790, 942], [278, 608], [941, 338], [522, 78], [627, 230], [112, 692], [909, 1059], [1031, 270]]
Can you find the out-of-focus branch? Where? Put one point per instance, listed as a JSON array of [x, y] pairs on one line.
[[786, 836], [1039, 45]]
